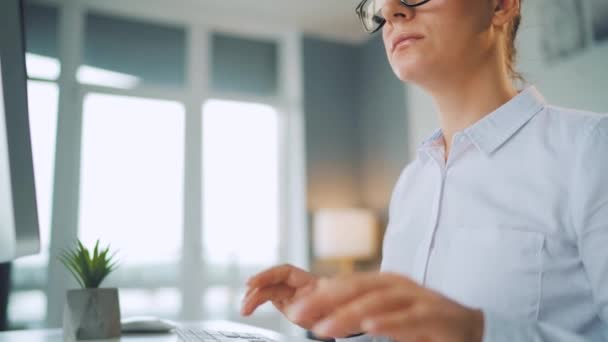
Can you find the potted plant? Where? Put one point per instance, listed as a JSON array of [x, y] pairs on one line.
[[90, 313]]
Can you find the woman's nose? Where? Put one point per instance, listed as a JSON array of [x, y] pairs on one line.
[[394, 10]]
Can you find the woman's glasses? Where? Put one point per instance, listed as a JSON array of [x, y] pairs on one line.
[[370, 12]]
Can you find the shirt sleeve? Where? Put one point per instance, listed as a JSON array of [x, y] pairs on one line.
[[589, 214]]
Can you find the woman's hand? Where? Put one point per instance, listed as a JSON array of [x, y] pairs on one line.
[[281, 285], [389, 305]]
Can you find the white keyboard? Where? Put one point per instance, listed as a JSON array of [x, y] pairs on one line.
[[204, 335]]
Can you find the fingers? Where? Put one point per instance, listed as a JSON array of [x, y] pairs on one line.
[[330, 294], [403, 325], [271, 276], [260, 296], [348, 318], [275, 284], [429, 320], [287, 274]]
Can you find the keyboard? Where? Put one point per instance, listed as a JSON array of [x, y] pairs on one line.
[[204, 335]]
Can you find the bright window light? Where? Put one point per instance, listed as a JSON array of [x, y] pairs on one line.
[[43, 100], [42, 67], [132, 177], [240, 183], [26, 307], [43, 106], [100, 77], [163, 302]]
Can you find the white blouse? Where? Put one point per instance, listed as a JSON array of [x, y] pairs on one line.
[[515, 223]]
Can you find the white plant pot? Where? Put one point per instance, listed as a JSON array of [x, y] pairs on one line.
[[91, 314]]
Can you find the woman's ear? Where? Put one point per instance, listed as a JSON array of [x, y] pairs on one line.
[[498, 6], [505, 11]]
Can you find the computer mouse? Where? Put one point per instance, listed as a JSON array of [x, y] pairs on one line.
[[146, 324]]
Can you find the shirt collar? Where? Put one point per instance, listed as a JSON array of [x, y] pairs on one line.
[[493, 130]]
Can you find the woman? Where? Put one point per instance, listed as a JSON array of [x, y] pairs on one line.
[[498, 230]]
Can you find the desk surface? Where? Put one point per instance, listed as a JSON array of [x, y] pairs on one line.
[[55, 335]]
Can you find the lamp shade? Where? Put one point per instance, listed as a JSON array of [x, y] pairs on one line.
[[344, 234]]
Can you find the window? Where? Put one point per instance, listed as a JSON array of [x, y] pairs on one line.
[[27, 308], [43, 103], [42, 67], [240, 200], [133, 171], [131, 177], [240, 183], [131, 195], [161, 302]]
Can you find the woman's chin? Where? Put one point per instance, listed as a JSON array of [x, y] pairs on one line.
[[408, 73], [408, 69]]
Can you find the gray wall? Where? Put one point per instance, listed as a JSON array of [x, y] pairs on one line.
[[244, 65], [132, 47], [382, 125], [577, 81], [41, 30], [330, 107], [355, 124]]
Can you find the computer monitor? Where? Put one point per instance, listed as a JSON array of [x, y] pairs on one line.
[[19, 233]]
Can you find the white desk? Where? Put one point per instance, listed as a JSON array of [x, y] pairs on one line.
[[56, 335]]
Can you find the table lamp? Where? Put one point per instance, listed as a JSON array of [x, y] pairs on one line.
[[345, 236]]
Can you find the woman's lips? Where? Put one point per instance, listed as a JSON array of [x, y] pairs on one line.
[[405, 40]]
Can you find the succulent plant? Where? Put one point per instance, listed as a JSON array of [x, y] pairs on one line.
[[89, 269]]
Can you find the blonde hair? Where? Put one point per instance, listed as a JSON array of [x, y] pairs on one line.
[[512, 48]]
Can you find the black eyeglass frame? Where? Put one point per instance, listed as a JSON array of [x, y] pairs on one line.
[[359, 11]]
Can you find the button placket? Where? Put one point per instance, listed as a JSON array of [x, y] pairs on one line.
[[424, 255], [459, 147]]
